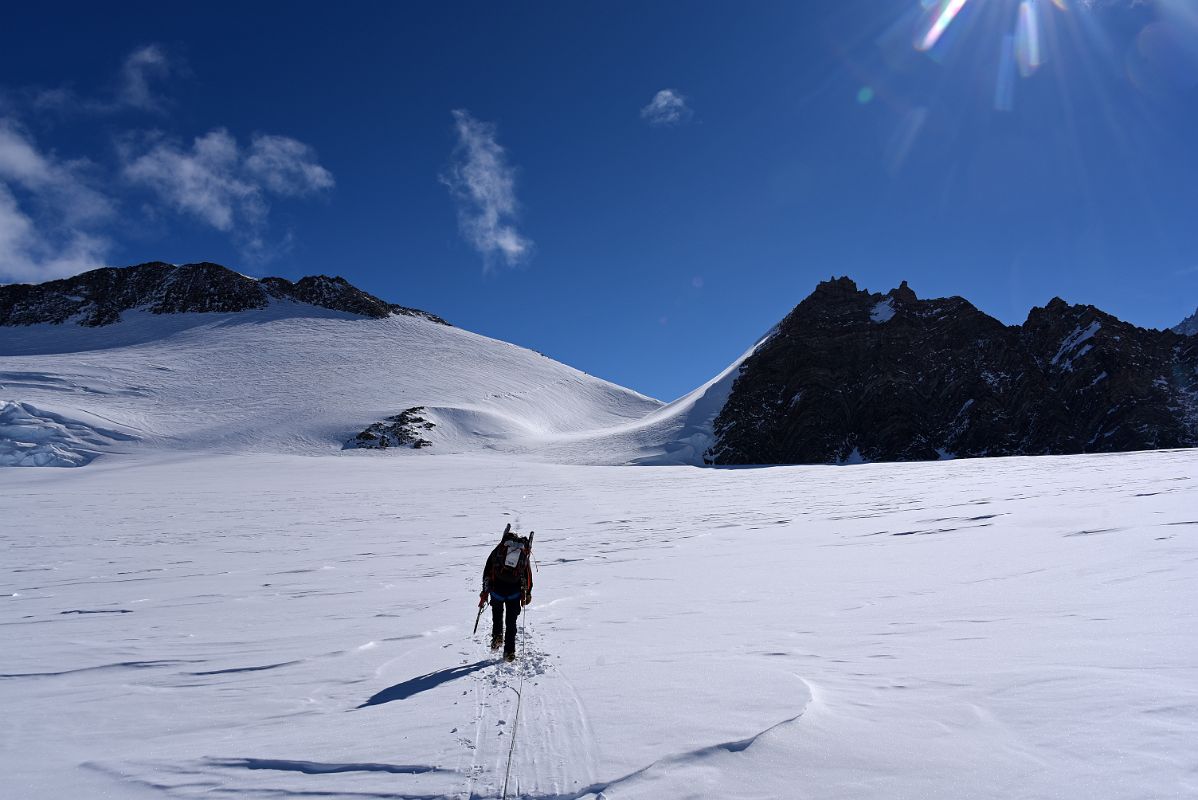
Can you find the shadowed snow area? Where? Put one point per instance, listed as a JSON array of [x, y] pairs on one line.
[[34, 437], [272, 626]]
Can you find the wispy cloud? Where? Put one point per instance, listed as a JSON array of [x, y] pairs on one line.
[[49, 211], [141, 68], [221, 183], [57, 215], [484, 185], [286, 166], [135, 88], [667, 108], [61, 184]]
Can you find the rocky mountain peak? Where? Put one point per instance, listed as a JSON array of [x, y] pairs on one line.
[[99, 297], [904, 293], [836, 287], [1188, 326], [858, 376]]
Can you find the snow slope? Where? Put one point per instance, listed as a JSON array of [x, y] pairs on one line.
[[297, 379], [271, 626], [678, 433]]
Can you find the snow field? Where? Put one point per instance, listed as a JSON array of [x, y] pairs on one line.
[[266, 626]]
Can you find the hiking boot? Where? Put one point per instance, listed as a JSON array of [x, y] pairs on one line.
[[496, 643], [509, 657]]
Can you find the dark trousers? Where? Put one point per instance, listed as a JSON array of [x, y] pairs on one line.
[[497, 629]]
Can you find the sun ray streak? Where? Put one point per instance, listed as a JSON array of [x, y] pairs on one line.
[[1027, 39], [947, 12]]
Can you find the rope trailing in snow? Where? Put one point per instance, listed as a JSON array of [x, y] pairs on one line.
[[519, 699], [520, 688]]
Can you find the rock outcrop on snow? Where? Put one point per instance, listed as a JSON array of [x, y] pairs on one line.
[[405, 429], [854, 376], [99, 297]]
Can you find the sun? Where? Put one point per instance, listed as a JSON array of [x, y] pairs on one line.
[[1019, 26]]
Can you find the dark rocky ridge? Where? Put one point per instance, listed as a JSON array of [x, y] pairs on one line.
[[850, 374], [100, 296]]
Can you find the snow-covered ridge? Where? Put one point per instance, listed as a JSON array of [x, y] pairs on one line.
[[294, 378], [684, 431], [306, 372]]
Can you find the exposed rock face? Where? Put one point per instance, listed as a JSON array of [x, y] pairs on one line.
[[340, 294], [100, 296], [405, 429], [851, 375], [1188, 326]]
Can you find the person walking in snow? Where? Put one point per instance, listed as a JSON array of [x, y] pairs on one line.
[[507, 583]]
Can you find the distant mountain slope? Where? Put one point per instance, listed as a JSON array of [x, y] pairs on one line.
[[101, 296], [200, 358], [1188, 326], [853, 376], [299, 368], [680, 433]]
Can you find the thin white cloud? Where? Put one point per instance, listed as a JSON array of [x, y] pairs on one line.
[[29, 255], [61, 184], [134, 88], [667, 108], [203, 181], [140, 69], [49, 212], [484, 185], [286, 167], [224, 185]]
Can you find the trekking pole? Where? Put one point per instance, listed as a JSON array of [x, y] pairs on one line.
[[481, 605]]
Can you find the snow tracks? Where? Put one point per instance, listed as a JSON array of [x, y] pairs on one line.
[[549, 742]]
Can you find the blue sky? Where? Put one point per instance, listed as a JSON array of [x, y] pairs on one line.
[[637, 189]]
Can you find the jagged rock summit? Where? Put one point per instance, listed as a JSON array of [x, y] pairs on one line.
[[100, 296], [851, 375], [1188, 326]]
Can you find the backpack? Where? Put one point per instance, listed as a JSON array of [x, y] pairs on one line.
[[513, 560]]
